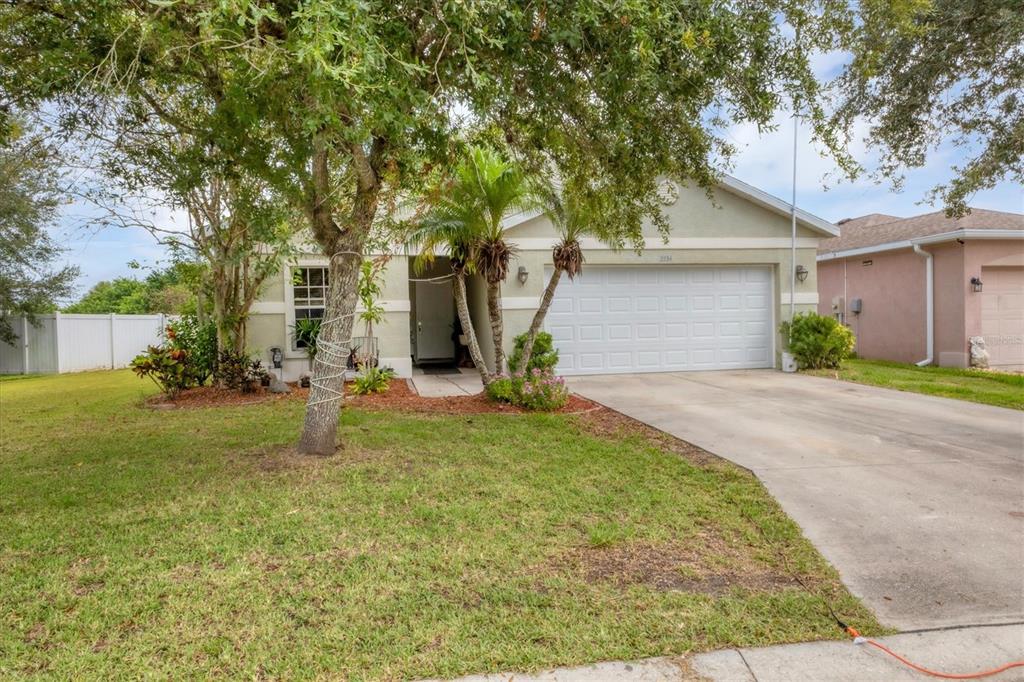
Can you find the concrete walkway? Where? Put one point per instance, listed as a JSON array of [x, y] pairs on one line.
[[918, 501], [465, 382], [959, 650]]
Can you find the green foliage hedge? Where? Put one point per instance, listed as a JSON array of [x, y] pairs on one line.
[[544, 356], [818, 342]]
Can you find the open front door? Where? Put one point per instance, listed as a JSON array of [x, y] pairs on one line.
[[435, 315]]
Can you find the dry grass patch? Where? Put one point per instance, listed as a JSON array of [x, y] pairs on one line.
[[705, 565]]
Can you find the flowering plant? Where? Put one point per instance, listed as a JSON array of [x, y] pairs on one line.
[[538, 389]]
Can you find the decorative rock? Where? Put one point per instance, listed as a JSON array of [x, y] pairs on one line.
[[278, 386], [979, 355]]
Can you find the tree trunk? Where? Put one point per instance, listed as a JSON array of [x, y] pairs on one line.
[[494, 312], [327, 386], [538, 320], [344, 246], [467, 328]]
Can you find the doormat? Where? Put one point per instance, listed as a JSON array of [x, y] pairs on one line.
[[440, 370]]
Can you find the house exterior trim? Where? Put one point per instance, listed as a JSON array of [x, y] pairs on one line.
[[519, 302], [800, 298], [674, 243], [738, 187]]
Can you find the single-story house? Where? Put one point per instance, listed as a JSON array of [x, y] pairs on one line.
[[710, 297], [920, 289]]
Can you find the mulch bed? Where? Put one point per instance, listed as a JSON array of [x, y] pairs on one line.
[[399, 396], [214, 396]]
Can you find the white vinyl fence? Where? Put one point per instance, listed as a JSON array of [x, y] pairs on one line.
[[61, 343]]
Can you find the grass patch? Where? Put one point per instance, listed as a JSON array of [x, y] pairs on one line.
[[194, 543], [978, 386]]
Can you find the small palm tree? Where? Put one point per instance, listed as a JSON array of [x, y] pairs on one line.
[[500, 188], [570, 216], [468, 221], [452, 224]]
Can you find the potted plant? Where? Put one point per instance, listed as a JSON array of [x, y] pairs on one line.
[[305, 333], [364, 349]]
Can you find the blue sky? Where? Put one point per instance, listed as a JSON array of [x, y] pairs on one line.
[[763, 160]]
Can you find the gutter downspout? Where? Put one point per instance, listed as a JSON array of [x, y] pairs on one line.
[[929, 288]]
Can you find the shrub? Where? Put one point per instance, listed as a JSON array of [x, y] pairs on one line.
[[817, 341], [199, 341], [544, 356], [239, 372], [372, 380], [306, 332], [538, 389], [501, 390], [166, 366]]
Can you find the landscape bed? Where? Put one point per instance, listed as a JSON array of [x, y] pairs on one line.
[[196, 543], [399, 396]]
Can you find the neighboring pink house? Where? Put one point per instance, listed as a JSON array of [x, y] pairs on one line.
[[876, 275]]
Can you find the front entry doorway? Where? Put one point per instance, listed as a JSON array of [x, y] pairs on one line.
[[433, 314]]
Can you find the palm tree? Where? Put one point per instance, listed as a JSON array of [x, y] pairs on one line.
[[570, 216], [468, 221], [501, 188]]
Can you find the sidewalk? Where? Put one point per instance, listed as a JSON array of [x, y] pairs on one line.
[[959, 650]]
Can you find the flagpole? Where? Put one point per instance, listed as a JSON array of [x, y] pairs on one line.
[[792, 255]]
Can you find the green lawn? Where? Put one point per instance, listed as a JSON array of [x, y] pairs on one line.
[[991, 388], [192, 543]]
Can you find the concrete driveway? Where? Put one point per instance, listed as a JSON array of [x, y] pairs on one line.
[[918, 501]]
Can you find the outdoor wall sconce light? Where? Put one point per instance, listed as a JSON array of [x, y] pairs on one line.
[[976, 285], [801, 273], [522, 274]]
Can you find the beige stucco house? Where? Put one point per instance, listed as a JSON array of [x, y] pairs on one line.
[[711, 297], [919, 289]]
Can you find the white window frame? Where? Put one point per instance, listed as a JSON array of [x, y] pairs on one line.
[[290, 351]]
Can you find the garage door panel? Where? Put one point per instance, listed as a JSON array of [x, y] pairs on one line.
[[619, 304], [620, 332], [676, 304], [677, 330], [663, 318], [560, 306], [561, 334], [620, 360], [646, 304]]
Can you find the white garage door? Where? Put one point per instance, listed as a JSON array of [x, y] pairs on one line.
[[1002, 316], [663, 319]]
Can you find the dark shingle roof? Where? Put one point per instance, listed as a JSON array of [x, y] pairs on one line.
[[877, 228]]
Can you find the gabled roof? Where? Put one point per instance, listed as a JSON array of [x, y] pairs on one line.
[[776, 205], [874, 230], [868, 220], [741, 189]]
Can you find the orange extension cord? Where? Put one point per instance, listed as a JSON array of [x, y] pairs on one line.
[[858, 639]]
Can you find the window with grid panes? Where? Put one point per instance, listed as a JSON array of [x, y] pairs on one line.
[[309, 294]]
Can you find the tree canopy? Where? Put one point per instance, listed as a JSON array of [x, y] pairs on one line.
[[31, 280], [929, 71], [167, 290]]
